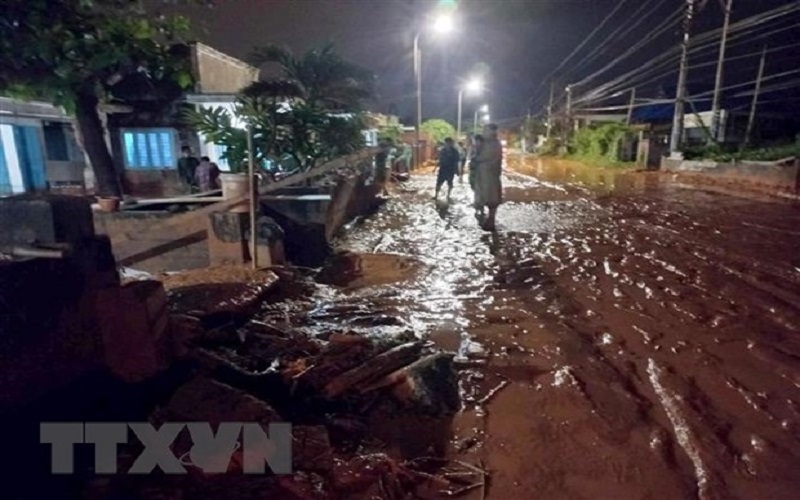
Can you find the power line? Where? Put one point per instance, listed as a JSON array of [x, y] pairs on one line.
[[743, 31], [578, 48], [624, 86], [706, 40], [660, 30], [675, 16], [704, 96]]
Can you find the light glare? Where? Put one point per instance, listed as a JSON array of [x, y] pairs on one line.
[[474, 86], [444, 24]]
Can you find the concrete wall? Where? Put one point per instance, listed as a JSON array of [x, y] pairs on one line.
[[153, 183], [759, 175], [135, 226], [764, 177], [218, 73]]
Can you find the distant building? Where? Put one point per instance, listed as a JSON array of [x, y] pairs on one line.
[[378, 125]]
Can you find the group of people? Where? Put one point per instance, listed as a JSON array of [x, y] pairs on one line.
[[197, 175], [484, 158]]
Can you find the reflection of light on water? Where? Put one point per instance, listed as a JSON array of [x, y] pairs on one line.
[[468, 349], [564, 376]]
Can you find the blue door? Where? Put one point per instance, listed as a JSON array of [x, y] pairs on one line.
[[31, 159], [5, 179]]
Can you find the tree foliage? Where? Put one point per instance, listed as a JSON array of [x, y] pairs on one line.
[[321, 77], [307, 113], [438, 129], [531, 128], [77, 53], [600, 143], [392, 133]]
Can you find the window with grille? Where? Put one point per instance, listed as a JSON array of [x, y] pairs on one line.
[[149, 148], [215, 152]]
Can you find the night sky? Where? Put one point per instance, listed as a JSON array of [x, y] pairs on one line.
[[516, 43]]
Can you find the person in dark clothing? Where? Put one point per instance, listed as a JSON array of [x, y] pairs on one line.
[[475, 149], [449, 160], [382, 165], [187, 164], [462, 156], [207, 175]]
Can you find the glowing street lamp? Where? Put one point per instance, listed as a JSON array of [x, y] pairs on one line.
[[442, 24], [483, 109], [472, 86]]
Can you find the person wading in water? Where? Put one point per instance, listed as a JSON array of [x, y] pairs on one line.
[[449, 160], [488, 169]]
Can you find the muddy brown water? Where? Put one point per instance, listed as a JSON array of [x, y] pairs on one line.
[[622, 338]]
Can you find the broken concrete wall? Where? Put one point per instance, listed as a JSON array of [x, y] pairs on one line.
[[135, 226], [66, 315], [45, 340], [153, 183]]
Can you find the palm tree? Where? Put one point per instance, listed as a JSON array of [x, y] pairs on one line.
[[321, 77], [324, 93]]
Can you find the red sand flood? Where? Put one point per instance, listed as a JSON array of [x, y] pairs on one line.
[[623, 339]]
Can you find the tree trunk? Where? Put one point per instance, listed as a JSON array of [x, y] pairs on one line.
[[94, 143]]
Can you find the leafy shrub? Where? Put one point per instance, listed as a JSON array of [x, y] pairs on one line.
[[714, 152], [600, 143], [438, 129]]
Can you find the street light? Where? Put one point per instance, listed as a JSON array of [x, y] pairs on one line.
[[473, 86], [442, 24], [483, 109]]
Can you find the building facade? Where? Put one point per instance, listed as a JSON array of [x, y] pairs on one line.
[[147, 138], [38, 149]]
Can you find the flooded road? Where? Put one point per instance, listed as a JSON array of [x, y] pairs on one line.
[[618, 338]]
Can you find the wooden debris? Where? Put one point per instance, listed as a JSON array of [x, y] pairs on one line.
[[374, 368], [311, 448], [489, 395], [428, 382]]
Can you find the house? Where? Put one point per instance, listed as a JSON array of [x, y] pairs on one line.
[[38, 149], [147, 135]]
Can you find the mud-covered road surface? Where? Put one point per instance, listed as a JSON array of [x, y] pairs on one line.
[[619, 338]]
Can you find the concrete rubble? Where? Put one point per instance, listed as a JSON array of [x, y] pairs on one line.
[[354, 401], [205, 346]]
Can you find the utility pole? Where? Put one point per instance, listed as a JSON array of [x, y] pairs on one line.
[[630, 107], [550, 109], [525, 131], [751, 120], [458, 119], [715, 109], [567, 118], [418, 82], [680, 95]]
